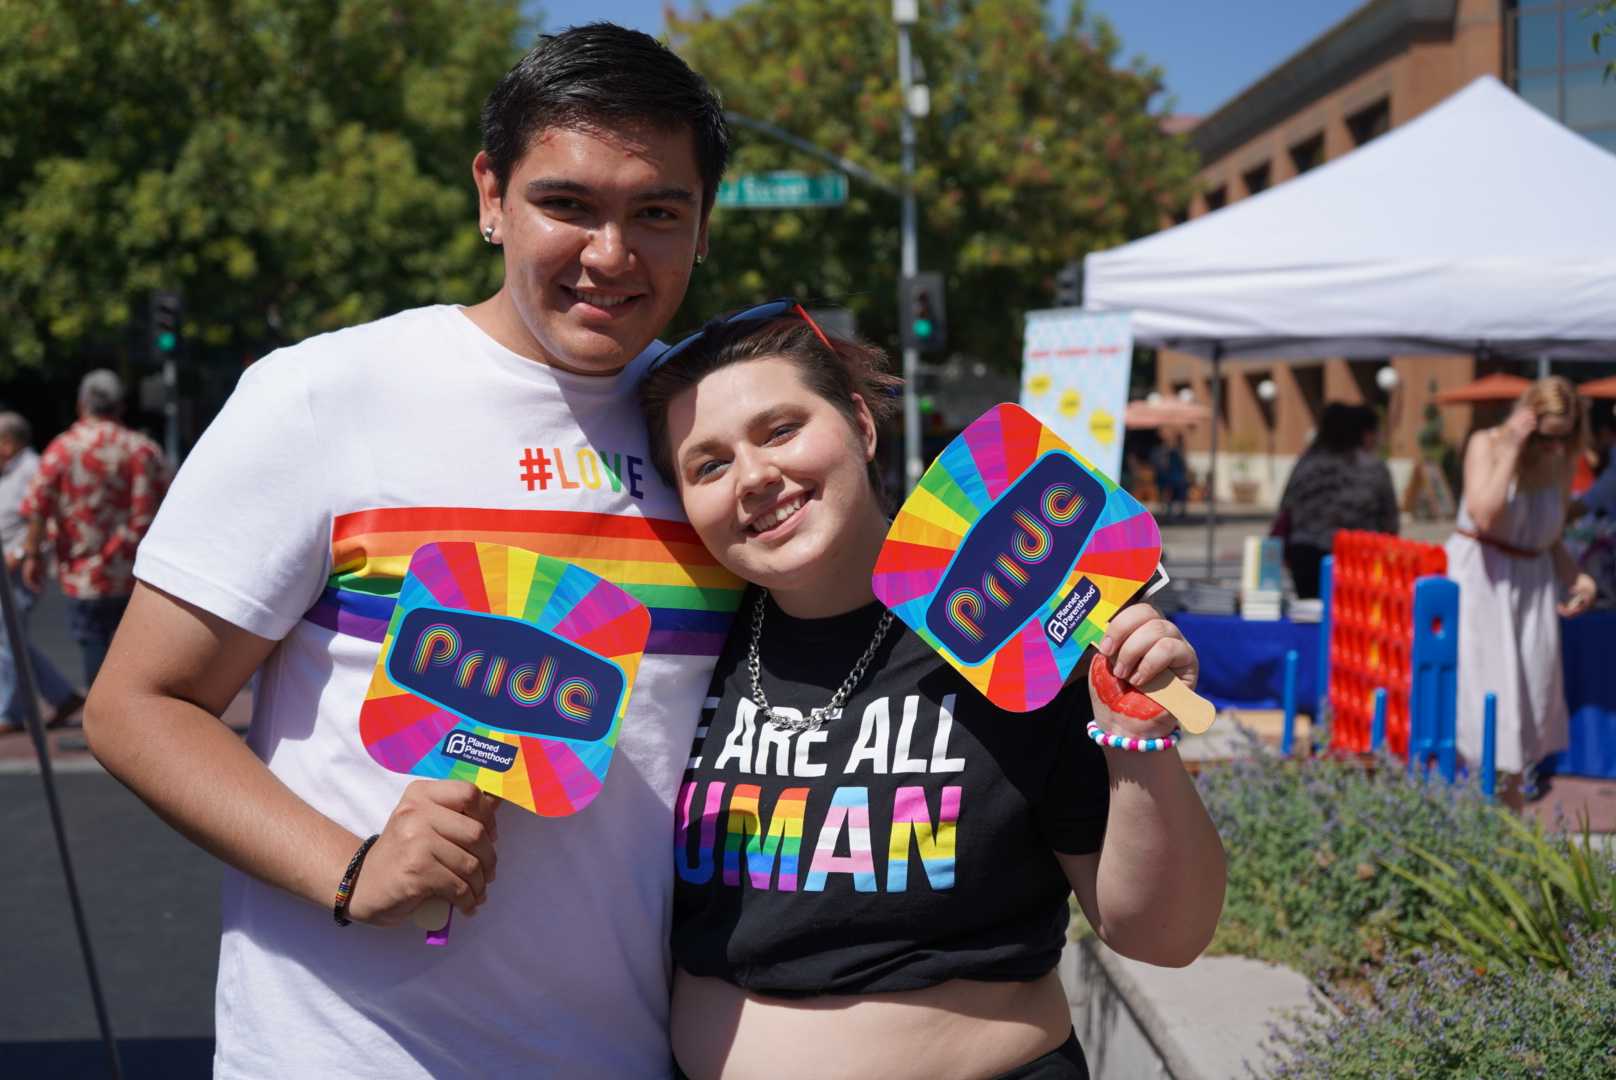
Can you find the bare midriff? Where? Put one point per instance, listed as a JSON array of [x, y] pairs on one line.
[[959, 1030]]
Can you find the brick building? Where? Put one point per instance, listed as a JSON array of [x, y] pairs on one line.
[[1383, 65]]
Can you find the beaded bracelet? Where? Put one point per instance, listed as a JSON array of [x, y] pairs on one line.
[[339, 907], [1128, 742]]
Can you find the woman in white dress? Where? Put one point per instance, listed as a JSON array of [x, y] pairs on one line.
[[1516, 579]]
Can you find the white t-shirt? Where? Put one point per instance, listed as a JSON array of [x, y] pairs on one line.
[[295, 518]]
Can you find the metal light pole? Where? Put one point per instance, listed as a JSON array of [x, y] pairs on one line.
[[904, 13], [171, 411]]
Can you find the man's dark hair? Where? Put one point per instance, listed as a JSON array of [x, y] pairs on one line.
[[604, 76]]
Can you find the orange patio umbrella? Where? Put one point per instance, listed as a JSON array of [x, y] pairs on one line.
[[1143, 414], [1599, 388], [1495, 387]]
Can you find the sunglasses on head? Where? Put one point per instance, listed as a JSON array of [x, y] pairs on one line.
[[759, 315]]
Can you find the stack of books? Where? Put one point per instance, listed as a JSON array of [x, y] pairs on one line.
[[1262, 578], [1207, 597], [1307, 610], [1261, 605]]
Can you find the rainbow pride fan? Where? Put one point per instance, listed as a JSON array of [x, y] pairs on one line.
[[506, 668], [1012, 555]]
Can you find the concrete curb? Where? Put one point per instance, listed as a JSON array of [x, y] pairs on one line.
[[74, 764], [1206, 1021]]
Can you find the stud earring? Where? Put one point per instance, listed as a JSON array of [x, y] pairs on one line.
[[700, 259], [488, 234]]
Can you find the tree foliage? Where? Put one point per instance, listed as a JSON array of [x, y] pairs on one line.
[[1606, 31], [1040, 147], [291, 165]]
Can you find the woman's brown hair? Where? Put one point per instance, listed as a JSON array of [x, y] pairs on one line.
[[1556, 396], [837, 374]]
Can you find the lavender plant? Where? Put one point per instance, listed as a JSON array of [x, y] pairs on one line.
[[1437, 1015], [1307, 841]]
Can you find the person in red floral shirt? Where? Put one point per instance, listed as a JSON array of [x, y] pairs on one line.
[[98, 486]]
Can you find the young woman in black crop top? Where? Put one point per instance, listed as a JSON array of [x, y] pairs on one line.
[[879, 888]]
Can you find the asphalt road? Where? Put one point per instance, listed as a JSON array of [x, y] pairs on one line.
[[152, 903]]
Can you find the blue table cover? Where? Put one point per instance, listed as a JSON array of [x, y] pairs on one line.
[[1243, 666], [1588, 651], [1243, 661]]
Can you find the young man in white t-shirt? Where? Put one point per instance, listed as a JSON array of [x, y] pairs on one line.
[[280, 551]]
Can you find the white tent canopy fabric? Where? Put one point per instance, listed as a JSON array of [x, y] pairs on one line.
[[1481, 225]]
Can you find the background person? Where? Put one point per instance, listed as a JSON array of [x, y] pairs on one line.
[[1516, 578], [1339, 482], [18, 464], [282, 548], [1590, 535], [901, 903], [1600, 497], [98, 487], [1172, 476]]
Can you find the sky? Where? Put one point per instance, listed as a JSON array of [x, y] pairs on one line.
[[1209, 51]]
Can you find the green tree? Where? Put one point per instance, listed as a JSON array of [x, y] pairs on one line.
[[1607, 9], [1040, 147], [291, 165]]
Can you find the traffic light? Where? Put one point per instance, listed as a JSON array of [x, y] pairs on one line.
[[925, 318], [167, 309], [1069, 285]]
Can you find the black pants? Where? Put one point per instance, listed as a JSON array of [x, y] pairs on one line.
[[1065, 1062], [1305, 562]]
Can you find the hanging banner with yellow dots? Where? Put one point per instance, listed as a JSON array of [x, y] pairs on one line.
[[1074, 377]]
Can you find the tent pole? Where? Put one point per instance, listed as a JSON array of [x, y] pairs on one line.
[[1212, 466]]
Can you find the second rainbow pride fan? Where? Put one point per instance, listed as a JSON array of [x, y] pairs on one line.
[[1012, 555]]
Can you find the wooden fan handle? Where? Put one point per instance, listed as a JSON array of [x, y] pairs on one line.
[[1192, 711], [434, 916]]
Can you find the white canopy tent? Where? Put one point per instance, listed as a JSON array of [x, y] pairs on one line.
[[1481, 226]]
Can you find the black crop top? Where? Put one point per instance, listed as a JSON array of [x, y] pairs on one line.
[[908, 842]]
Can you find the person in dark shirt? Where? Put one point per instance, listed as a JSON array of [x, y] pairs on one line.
[[874, 863], [1337, 483]]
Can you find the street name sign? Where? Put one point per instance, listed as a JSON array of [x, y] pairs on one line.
[[783, 191]]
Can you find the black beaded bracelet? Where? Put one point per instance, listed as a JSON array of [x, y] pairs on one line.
[[339, 909]]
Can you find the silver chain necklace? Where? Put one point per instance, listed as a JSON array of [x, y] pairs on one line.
[[832, 709]]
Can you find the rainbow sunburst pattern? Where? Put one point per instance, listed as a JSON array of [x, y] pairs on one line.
[[934, 547], [527, 599]]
